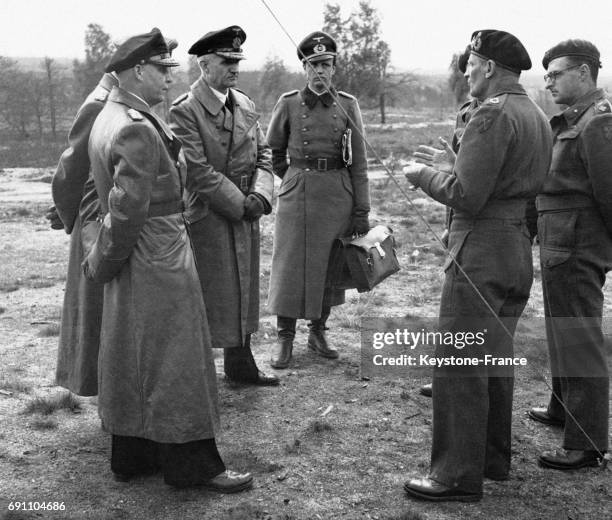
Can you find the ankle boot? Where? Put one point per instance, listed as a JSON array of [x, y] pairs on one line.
[[283, 350], [317, 341]]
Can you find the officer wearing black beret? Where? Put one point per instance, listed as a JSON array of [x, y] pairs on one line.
[[230, 184], [575, 230], [316, 135], [501, 163]]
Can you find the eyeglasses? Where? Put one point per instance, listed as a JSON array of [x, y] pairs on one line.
[[553, 75]]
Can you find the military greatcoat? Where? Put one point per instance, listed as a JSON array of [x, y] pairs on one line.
[[502, 162], [317, 198], [156, 372], [227, 158], [76, 202]]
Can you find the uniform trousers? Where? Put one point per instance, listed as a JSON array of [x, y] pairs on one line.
[[472, 405], [185, 464], [575, 254]]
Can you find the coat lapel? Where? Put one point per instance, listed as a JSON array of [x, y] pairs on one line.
[[244, 120]]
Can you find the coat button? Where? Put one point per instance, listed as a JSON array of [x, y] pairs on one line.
[[334, 104], [223, 143], [303, 103], [304, 116], [307, 157], [305, 142], [304, 129], [335, 116]]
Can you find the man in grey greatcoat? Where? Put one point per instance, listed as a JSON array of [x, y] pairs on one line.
[[229, 187], [318, 150], [502, 161], [157, 381]]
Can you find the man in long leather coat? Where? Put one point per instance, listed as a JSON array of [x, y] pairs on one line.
[[229, 187], [157, 382]]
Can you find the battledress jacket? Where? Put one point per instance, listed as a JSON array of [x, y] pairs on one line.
[[227, 158], [75, 198], [156, 372], [315, 205]]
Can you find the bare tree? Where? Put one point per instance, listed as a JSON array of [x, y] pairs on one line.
[[456, 81], [51, 72], [98, 51]]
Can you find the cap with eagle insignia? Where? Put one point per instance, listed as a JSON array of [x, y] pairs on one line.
[[224, 42], [317, 46], [150, 47]]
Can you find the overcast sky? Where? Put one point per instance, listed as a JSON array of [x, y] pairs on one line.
[[422, 34]]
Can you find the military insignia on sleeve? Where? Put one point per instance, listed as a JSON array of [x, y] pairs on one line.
[[135, 115], [607, 132], [485, 123], [477, 42], [494, 100], [604, 107]]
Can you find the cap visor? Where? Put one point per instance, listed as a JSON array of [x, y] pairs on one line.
[[231, 55], [320, 57], [165, 62]]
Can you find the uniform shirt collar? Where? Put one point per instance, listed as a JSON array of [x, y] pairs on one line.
[[311, 98], [220, 95], [575, 111]]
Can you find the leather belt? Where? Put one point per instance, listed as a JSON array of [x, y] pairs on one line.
[[321, 164], [563, 202], [161, 209], [497, 209], [241, 180]]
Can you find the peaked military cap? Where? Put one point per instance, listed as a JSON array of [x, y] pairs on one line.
[[577, 48], [225, 42], [463, 59], [317, 46], [502, 47], [150, 47]]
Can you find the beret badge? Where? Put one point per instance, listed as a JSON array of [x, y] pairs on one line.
[[477, 42]]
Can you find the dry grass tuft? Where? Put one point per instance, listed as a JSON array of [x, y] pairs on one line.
[[53, 329], [14, 385], [44, 424], [49, 405]]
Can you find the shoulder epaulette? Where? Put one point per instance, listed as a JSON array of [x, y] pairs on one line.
[[497, 101], [180, 99], [346, 94], [135, 115], [603, 107], [101, 95], [290, 93]]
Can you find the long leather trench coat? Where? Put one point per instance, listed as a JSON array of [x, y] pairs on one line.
[[227, 158], [76, 201], [156, 372]]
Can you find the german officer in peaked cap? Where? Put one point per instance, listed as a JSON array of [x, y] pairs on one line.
[[229, 188], [575, 230], [501, 163], [157, 384], [77, 206], [318, 151]]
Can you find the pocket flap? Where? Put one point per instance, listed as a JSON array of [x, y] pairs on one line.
[[550, 257]]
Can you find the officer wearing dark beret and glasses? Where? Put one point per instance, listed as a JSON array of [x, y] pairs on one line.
[[575, 235], [76, 205], [501, 164], [318, 151], [157, 382], [229, 188]]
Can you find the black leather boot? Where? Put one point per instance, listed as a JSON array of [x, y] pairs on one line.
[[317, 341], [283, 350]]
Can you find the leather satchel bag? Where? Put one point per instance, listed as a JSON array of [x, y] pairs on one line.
[[362, 263]]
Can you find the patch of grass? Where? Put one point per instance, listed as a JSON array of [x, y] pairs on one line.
[[53, 329], [2, 309], [294, 447], [319, 426], [49, 405], [42, 424], [9, 286], [14, 385], [407, 515]]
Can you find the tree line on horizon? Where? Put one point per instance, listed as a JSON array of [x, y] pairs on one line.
[[41, 103]]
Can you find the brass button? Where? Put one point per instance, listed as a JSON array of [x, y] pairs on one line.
[[304, 129], [307, 169], [305, 142], [304, 116], [335, 116]]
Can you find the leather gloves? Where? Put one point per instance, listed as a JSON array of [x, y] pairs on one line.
[[360, 225], [52, 216], [253, 207]]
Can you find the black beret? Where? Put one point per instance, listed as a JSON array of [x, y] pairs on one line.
[[149, 47], [225, 42], [578, 48], [463, 59], [503, 48], [317, 46]]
